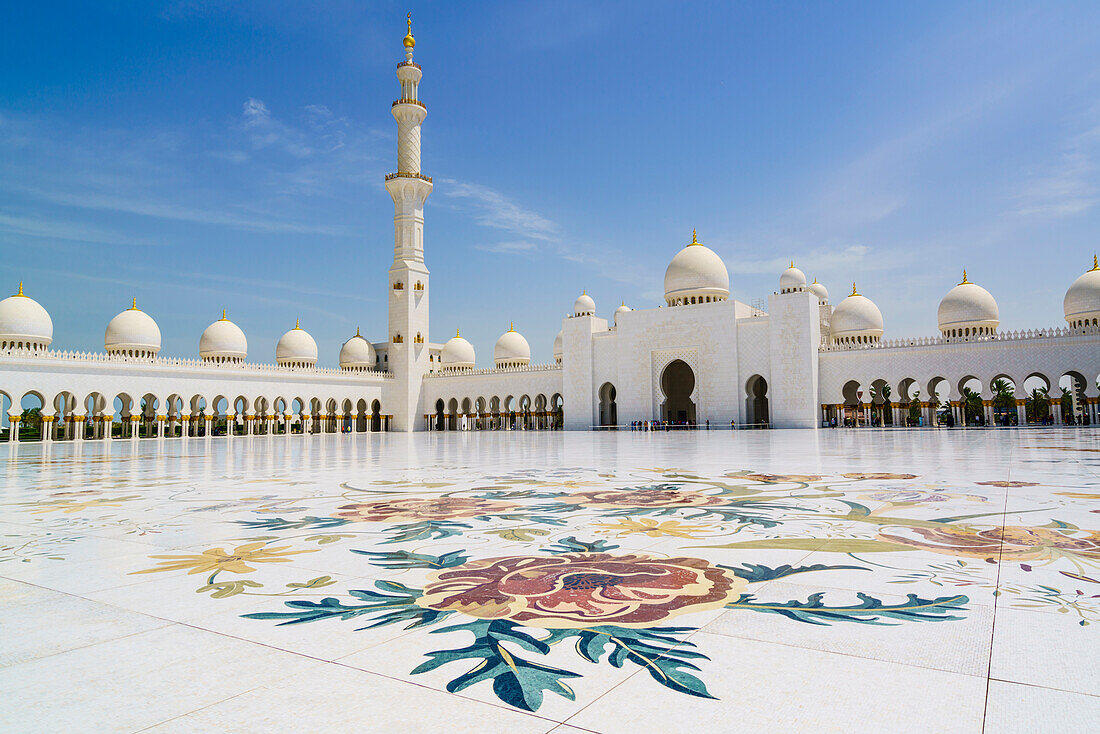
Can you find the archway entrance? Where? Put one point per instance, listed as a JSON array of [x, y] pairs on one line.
[[608, 409], [439, 416], [677, 382], [756, 398]]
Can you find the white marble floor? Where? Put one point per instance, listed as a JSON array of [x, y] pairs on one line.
[[931, 581]]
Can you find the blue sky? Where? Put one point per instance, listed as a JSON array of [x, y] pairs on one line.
[[208, 155]]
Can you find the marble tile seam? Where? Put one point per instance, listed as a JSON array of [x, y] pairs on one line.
[[195, 710]]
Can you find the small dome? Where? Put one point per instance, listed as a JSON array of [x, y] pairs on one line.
[[511, 349], [557, 346], [968, 310], [820, 291], [856, 320], [792, 280], [357, 354], [457, 354], [696, 275], [296, 348], [223, 341], [621, 309], [1082, 302], [132, 332], [24, 323], [584, 305]]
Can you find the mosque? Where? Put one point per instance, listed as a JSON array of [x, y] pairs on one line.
[[701, 358]]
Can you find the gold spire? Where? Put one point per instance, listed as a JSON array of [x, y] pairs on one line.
[[815, 280], [296, 324], [357, 331], [1095, 266], [133, 306], [409, 41], [854, 291], [512, 326], [20, 293], [456, 333], [223, 315], [694, 239], [792, 263], [964, 280], [624, 302]]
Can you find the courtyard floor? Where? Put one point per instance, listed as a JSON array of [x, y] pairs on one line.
[[837, 580]]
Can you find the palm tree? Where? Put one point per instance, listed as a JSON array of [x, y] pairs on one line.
[[1004, 400], [1038, 405], [914, 409], [972, 406]]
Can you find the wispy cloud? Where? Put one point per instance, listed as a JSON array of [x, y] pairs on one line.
[[1068, 187], [49, 228], [494, 209], [508, 248], [824, 259]]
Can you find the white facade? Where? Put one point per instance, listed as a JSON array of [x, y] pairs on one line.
[[701, 358]]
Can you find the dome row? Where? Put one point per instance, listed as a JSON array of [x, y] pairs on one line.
[[511, 350], [24, 324]]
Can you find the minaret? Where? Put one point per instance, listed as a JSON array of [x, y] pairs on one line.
[[408, 285]]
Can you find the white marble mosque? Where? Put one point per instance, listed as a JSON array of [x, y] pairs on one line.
[[701, 358]]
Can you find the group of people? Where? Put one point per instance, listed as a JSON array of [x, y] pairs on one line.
[[668, 425]]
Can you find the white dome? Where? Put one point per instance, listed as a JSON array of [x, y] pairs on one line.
[[357, 353], [223, 341], [696, 272], [621, 309], [511, 349], [584, 305], [792, 280], [296, 348], [457, 354], [820, 291], [1082, 302], [857, 317], [558, 347], [968, 306], [132, 332], [24, 322]]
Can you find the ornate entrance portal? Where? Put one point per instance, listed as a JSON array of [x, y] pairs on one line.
[[677, 384]]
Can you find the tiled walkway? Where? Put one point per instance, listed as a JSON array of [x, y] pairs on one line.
[[808, 581]]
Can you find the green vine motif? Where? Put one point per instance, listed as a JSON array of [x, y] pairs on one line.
[[278, 524], [868, 611]]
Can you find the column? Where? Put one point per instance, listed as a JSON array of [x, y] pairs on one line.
[[47, 428], [107, 424], [78, 427], [867, 413], [160, 425], [1056, 409], [1021, 411], [13, 428], [988, 409]]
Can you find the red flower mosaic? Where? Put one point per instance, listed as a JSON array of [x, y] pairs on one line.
[[877, 475], [577, 590], [1011, 543], [416, 509], [642, 498], [1008, 484]]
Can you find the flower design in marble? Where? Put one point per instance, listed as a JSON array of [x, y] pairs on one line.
[[1005, 483], [877, 475], [652, 528], [643, 498], [577, 590], [1011, 543], [417, 509], [217, 559], [777, 478]]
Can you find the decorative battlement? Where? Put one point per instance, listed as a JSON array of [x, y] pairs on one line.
[[406, 100], [495, 371], [409, 63], [932, 341], [176, 362], [405, 174]]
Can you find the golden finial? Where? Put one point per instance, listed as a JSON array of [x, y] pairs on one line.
[[20, 293], [815, 280], [357, 331], [854, 291], [133, 306], [296, 324], [1095, 266], [223, 315], [512, 326], [456, 333], [409, 41], [792, 263], [964, 280], [623, 303], [694, 239]]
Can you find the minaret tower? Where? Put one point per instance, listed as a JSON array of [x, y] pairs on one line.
[[408, 285]]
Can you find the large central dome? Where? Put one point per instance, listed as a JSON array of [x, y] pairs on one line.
[[696, 275]]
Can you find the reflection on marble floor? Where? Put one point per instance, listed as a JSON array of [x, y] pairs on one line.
[[931, 581]]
